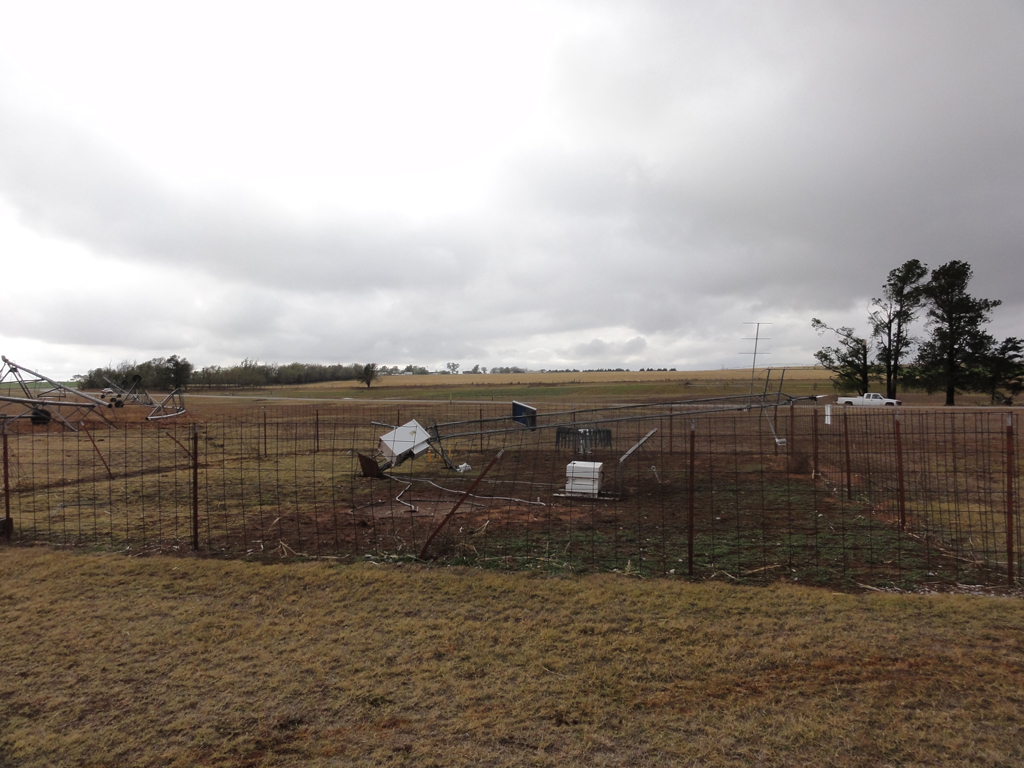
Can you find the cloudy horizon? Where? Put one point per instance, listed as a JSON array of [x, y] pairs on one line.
[[545, 185]]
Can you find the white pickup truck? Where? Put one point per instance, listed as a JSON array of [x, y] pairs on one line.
[[870, 398]]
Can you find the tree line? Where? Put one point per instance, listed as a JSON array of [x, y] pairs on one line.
[[160, 373], [251, 373], [956, 354], [177, 372]]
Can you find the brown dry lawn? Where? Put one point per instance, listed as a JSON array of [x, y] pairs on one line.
[[110, 660]]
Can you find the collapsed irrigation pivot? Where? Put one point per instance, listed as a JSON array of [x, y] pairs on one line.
[[26, 394]]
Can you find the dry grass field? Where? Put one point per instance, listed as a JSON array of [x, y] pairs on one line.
[[547, 385], [110, 660]]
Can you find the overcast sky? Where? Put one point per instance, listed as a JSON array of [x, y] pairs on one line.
[[548, 185]]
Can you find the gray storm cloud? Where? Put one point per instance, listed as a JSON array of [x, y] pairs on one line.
[[706, 161], [67, 184]]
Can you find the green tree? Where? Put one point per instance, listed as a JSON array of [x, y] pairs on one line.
[[252, 373], [850, 361], [1000, 371], [369, 374], [180, 371], [891, 318], [957, 345], [157, 374]]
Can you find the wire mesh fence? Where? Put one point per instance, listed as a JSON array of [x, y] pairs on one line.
[[813, 494]]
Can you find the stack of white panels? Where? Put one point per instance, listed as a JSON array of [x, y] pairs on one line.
[[583, 478]]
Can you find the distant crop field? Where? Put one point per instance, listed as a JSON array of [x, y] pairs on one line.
[[589, 377], [593, 387]]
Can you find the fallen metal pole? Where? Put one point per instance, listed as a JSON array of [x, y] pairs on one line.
[[466, 495], [97, 449]]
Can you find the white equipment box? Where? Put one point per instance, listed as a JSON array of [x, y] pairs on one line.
[[583, 478], [408, 441]]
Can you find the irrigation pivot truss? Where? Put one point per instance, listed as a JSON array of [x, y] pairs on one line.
[[27, 394], [132, 393]]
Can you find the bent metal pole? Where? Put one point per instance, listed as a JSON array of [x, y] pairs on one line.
[[466, 495]]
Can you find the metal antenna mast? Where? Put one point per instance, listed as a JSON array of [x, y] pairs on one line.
[[756, 338]]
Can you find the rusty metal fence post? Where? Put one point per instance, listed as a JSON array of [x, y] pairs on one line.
[[195, 486], [1009, 499], [8, 523], [814, 442], [690, 498], [846, 450], [900, 487]]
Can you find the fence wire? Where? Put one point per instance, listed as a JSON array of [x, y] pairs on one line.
[[812, 494]]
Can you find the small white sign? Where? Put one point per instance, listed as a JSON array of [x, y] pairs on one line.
[[828, 415]]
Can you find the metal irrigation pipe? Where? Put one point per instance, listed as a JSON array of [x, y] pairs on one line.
[[491, 498], [702, 412], [635, 406]]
